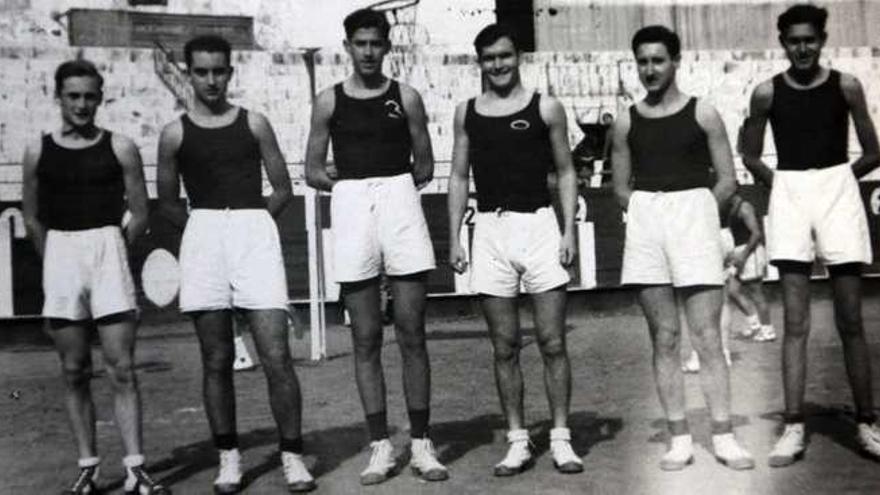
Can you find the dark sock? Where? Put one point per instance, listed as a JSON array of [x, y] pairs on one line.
[[227, 441], [377, 424], [721, 427], [292, 445], [791, 418], [678, 427], [418, 422], [866, 417]]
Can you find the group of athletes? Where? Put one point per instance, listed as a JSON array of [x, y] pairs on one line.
[[673, 175]]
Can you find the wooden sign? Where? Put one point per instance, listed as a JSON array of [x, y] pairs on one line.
[[90, 27]]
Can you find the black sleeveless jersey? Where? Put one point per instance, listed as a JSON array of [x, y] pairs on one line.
[[370, 136], [80, 188], [810, 126], [221, 167], [669, 153], [511, 156]]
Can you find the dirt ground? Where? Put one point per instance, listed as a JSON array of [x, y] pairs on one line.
[[616, 419]]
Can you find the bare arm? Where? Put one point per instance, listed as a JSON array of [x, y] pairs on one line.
[[621, 164], [319, 139], [554, 115], [867, 135], [167, 175], [423, 155], [135, 186], [30, 195], [273, 161], [753, 133], [719, 150], [457, 196]]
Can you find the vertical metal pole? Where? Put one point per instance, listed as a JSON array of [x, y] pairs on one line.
[[314, 226]]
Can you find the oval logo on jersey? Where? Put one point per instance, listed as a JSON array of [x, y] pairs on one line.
[[393, 110], [875, 201], [520, 125]]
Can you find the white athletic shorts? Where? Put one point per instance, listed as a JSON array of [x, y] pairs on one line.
[[510, 248], [378, 222], [818, 211], [755, 267], [231, 259], [672, 238], [86, 274]]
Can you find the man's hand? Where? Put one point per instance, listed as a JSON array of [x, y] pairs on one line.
[[738, 261], [422, 175], [567, 249], [458, 259]]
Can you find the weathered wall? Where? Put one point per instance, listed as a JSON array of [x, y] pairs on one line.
[[586, 25]]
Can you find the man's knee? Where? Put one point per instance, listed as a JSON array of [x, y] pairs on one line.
[[849, 324], [276, 362], [505, 350], [552, 348], [120, 371], [218, 361], [367, 346], [667, 337], [77, 374]]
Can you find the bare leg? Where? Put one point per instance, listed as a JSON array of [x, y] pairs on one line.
[[550, 322], [270, 332], [214, 329], [117, 341], [796, 303], [703, 306], [848, 316], [658, 304], [503, 319], [72, 343], [408, 297], [362, 302]]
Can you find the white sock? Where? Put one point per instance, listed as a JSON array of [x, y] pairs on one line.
[[130, 462], [89, 462]]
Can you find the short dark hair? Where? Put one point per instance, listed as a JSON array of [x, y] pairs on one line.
[[76, 68], [658, 34], [366, 18], [494, 32], [210, 43], [800, 14]]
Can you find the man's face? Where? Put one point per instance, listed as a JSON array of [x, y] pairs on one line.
[[655, 66], [209, 74], [367, 49], [499, 63], [803, 45], [79, 99]]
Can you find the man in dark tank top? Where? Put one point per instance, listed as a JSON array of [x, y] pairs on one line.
[[512, 137], [230, 253], [382, 157], [815, 211], [664, 151], [78, 182]]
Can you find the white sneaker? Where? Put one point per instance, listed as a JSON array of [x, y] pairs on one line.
[[729, 452], [766, 334], [869, 438], [296, 474], [518, 454], [381, 463], [424, 463], [691, 364], [789, 448], [229, 475], [680, 453], [564, 458]]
